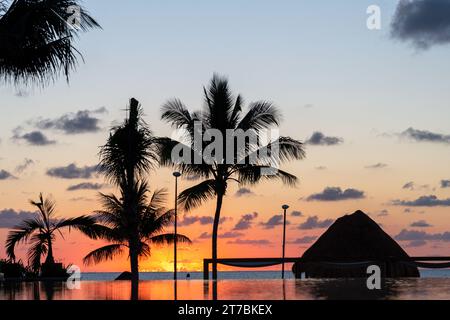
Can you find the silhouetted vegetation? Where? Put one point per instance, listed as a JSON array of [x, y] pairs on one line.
[[37, 39], [40, 233], [223, 112]]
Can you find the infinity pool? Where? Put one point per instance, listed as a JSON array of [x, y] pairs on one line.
[[420, 289]]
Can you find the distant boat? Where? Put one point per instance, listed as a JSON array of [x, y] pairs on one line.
[[349, 246]]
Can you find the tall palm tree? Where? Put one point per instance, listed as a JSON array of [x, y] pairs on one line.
[[223, 112], [125, 159], [40, 232], [37, 39], [152, 218]]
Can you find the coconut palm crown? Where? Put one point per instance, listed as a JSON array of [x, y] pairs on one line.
[[254, 162], [40, 232], [37, 39], [152, 219]]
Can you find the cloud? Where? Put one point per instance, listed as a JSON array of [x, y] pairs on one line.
[[383, 213], [315, 223], [408, 186], [303, 240], [86, 186], [9, 218], [425, 136], [262, 242], [231, 234], [319, 139], [244, 192], [296, 213], [424, 201], [204, 235], [189, 220], [412, 186], [445, 184], [5, 175], [72, 123], [377, 166], [321, 168], [416, 243], [420, 224], [34, 138], [73, 172], [226, 235], [273, 222], [336, 194], [246, 221], [25, 165], [413, 235], [424, 23], [81, 199]]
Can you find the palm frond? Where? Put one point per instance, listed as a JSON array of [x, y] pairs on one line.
[[276, 152], [169, 238], [36, 40], [262, 115], [107, 252], [196, 195], [36, 251], [166, 158], [176, 113], [253, 174], [219, 101], [20, 234], [157, 200], [153, 223], [85, 224], [130, 150]]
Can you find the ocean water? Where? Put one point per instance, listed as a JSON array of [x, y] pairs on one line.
[[229, 275], [253, 285]]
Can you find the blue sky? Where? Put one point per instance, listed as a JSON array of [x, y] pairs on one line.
[[360, 85]]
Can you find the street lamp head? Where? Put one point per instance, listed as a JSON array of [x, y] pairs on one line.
[[285, 207], [176, 174]]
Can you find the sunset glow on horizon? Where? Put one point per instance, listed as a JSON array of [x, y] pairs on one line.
[[372, 112]]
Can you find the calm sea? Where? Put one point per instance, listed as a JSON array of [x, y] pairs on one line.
[[238, 286], [229, 275]]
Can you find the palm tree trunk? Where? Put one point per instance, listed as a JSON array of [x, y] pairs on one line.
[[134, 264], [214, 234], [214, 242], [50, 259]]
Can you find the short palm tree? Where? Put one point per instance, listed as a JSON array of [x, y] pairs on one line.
[[40, 232], [152, 218], [125, 160], [223, 112], [37, 39]]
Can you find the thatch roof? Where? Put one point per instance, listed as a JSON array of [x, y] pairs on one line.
[[354, 238]]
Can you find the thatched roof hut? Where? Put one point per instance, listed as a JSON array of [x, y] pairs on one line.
[[349, 246]]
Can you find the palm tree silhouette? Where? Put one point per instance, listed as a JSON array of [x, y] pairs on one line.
[[223, 112], [40, 232], [125, 159], [152, 218], [37, 39]]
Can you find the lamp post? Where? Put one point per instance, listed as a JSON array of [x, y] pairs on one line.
[[176, 175], [285, 207]]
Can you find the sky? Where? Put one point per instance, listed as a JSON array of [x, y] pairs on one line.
[[372, 107]]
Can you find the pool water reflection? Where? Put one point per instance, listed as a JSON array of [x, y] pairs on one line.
[[425, 288]]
